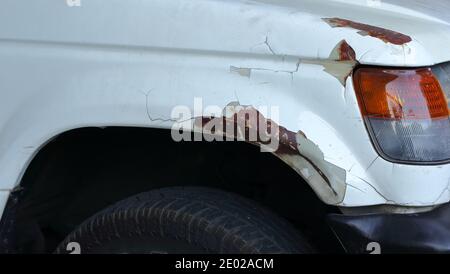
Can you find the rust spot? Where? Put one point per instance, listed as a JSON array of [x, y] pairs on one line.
[[387, 36], [346, 52], [288, 142], [248, 122], [244, 127]]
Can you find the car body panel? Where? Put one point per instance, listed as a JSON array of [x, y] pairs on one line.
[[292, 28], [117, 63], [3, 199]]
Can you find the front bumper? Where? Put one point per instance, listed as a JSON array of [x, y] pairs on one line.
[[427, 232]]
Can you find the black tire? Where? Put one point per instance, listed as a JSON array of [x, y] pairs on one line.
[[186, 220]]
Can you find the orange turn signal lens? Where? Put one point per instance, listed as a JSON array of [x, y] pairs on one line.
[[400, 94], [406, 112]]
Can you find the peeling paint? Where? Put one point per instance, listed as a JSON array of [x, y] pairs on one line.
[[345, 56], [340, 71], [305, 157], [340, 63], [244, 72], [247, 71], [387, 36]]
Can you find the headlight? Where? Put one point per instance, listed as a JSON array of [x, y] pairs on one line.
[[406, 112]]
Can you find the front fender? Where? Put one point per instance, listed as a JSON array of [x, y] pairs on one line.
[[91, 69]]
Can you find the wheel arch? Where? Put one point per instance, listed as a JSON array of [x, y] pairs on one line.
[[64, 179]]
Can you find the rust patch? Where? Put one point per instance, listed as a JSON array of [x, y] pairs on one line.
[[245, 127], [343, 52], [346, 52], [247, 124], [387, 36]]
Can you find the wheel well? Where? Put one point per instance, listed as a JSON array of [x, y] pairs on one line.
[[85, 170]]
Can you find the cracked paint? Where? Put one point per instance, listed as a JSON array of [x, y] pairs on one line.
[[152, 119], [387, 200], [247, 71], [386, 35], [447, 189], [266, 42]]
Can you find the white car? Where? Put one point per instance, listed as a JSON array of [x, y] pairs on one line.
[[224, 126]]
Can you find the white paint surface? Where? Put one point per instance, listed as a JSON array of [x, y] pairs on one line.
[[128, 63], [3, 199]]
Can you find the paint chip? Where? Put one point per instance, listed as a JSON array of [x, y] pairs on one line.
[[386, 35]]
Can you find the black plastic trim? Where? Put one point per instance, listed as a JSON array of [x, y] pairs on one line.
[[427, 232]]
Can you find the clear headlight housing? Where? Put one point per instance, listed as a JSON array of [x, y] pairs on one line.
[[407, 112]]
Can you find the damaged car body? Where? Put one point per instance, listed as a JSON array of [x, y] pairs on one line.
[[363, 92]]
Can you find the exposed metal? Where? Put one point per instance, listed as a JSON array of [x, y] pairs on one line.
[[387, 36]]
